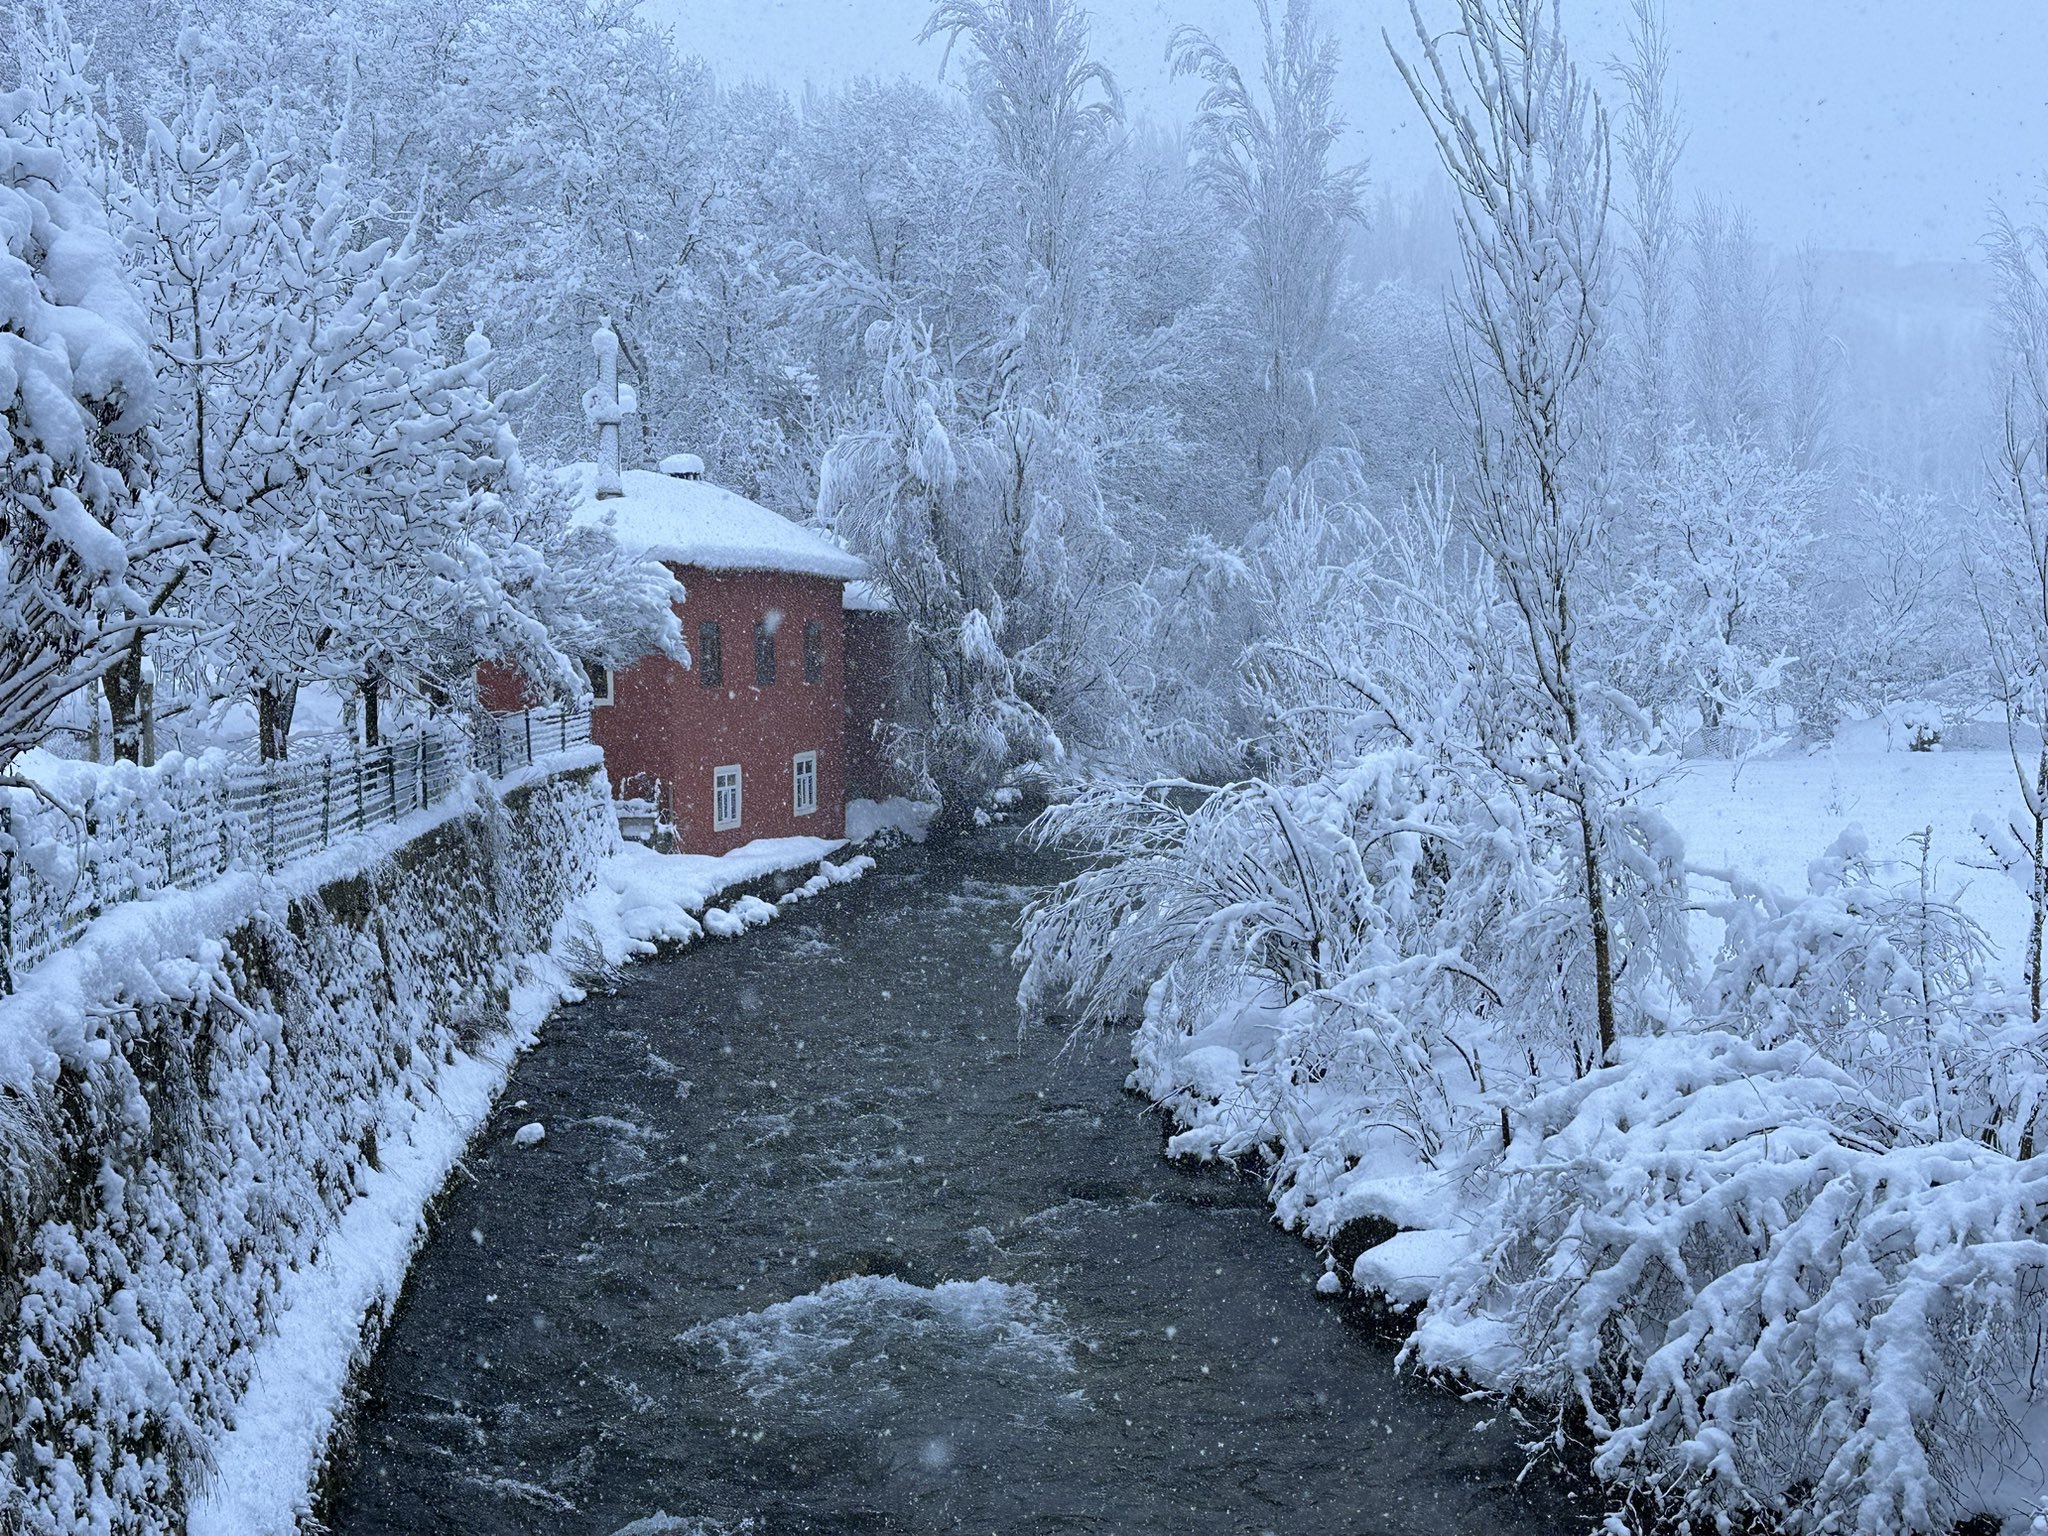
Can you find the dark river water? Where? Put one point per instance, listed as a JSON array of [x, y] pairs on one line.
[[818, 1241]]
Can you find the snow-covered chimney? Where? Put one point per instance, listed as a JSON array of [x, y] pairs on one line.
[[682, 466], [606, 406]]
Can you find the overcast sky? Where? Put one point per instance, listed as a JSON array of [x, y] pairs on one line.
[[1878, 124]]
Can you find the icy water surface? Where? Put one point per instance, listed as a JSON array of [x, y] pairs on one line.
[[819, 1242]]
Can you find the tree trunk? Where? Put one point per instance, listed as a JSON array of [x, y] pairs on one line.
[[2039, 917], [274, 706], [122, 684], [1710, 723], [1603, 954], [369, 696]]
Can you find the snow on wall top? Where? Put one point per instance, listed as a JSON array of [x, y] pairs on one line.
[[867, 597], [693, 522]]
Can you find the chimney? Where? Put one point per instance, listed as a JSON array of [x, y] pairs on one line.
[[606, 406]]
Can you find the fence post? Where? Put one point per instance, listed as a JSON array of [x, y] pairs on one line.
[[355, 758], [6, 900], [562, 715], [170, 856], [327, 800], [529, 739], [270, 858], [419, 762], [391, 775]]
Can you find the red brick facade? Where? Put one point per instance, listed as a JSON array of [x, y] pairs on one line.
[[871, 684], [668, 730]]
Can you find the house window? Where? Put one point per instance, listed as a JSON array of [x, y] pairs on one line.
[[814, 652], [710, 655], [764, 654], [603, 689], [725, 798], [805, 773]]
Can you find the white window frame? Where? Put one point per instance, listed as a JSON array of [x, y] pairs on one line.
[[608, 694], [720, 785], [798, 777]]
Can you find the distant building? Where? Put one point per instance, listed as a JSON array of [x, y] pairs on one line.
[[756, 737]]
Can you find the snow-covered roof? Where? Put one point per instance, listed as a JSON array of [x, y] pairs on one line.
[[693, 522], [866, 597]]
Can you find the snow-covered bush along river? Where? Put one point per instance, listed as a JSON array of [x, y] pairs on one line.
[[1780, 1253]]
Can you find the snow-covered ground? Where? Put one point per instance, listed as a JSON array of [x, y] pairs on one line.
[[1778, 815], [909, 819]]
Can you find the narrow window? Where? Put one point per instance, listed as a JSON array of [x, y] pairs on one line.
[[764, 654], [725, 798], [814, 651], [805, 774], [710, 655], [603, 689]]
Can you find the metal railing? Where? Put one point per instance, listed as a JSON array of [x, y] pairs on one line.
[[513, 742], [143, 831]]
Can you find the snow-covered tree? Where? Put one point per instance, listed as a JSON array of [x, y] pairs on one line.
[[1050, 110], [350, 477], [1525, 144], [77, 521], [1886, 621], [568, 594], [2010, 578], [1716, 606], [1651, 140], [1731, 328], [913, 499], [580, 184], [968, 466], [1267, 157]]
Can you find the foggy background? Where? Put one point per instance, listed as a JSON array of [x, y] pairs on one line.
[[1878, 125]]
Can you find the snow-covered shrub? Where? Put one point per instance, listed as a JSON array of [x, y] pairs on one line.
[[1354, 964], [1322, 908], [1785, 1260], [1761, 1309], [1359, 971], [1769, 1227], [1919, 723], [1886, 979]]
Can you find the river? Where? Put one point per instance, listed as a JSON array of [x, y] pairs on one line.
[[819, 1241]]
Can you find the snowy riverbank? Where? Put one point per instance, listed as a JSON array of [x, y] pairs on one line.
[[267, 1458], [229, 1108], [1762, 1225]]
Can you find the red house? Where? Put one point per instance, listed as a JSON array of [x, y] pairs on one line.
[[750, 740], [753, 739]]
